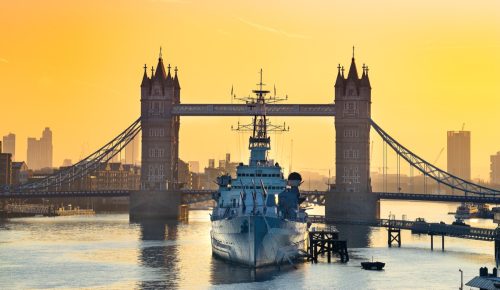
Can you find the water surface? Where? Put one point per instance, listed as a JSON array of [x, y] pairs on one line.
[[108, 252]]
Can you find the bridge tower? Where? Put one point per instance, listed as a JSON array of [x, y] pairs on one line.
[[158, 197], [351, 195]]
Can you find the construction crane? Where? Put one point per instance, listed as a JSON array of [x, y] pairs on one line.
[[439, 155]]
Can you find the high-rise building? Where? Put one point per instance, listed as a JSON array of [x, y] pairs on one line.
[[459, 153], [495, 169], [40, 152], [9, 144], [132, 151], [5, 168]]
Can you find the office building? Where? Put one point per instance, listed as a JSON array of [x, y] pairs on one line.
[[5, 168], [132, 151], [9, 145], [40, 151], [495, 169], [458, 144]]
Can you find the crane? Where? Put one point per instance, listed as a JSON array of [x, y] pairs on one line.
[[439, 155]]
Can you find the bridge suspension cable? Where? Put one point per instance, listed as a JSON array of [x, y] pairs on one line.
[[432, 171], [86, 165]]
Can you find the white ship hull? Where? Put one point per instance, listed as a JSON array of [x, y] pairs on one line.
[[257, 241]]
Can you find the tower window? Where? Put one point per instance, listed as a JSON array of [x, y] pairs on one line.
[[350, 108]]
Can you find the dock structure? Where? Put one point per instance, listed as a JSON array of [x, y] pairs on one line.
[[394, 228], [29, 210], [325, 240]]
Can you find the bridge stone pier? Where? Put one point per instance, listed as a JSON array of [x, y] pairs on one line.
[[352, 196]]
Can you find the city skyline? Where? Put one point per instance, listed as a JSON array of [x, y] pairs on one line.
[[429, 84]]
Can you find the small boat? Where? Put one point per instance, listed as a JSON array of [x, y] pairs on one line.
[[372, 265]]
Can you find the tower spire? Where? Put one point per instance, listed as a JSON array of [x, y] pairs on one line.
[[176, 79], [353, 73], [340, 77], [160, 56], [145, 78]]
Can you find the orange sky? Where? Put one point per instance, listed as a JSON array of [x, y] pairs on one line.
[[76, 67]]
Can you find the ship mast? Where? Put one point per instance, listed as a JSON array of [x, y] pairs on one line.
[[260, 142]]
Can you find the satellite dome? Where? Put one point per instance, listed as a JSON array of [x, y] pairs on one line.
[[294, 179], [294, 176]]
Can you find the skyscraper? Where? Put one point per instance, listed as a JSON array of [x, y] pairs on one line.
[[5, 168], [9, 145], [132, 151], [495, 169], [40, 151], [459, 153]]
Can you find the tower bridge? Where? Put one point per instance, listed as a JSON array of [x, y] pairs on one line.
[[161, 109]]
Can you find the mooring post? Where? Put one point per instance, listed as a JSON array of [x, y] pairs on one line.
[[442, 242], [315, 253], [497, 251], [329, 250], [432, 242], [310, 245]]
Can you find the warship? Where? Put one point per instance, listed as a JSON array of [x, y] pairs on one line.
[[258, 219]]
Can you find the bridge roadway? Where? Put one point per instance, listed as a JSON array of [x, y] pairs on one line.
[[437, 229], [315, 197]]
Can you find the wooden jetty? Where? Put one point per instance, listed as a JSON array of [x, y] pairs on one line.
[[324, 240], [394, 228]]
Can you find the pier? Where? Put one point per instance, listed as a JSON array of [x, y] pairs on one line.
[[325, 240], [394, 228], [29, 210]]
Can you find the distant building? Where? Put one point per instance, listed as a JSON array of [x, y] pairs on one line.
[[459, 154], [9, 145], [67, 163], [495, 169], [194, 166], [20, 173], [210, 174], [117, 176], [5, 168], [40, 151], [184, 176], [132, 151]]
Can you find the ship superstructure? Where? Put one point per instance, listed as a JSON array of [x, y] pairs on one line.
[[257, 219]]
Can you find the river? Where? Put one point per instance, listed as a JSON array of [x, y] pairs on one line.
[[107, 252]]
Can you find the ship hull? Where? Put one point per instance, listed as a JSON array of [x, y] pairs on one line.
[[256, 241]]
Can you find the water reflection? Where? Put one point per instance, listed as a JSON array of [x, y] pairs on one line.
[[223, 272], [159, 252], [357, 236]]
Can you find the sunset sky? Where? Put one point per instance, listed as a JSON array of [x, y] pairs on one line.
[[76, 67]]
